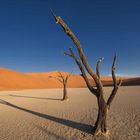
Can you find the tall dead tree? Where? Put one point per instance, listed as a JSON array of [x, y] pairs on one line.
[[98, 91], [63, 80]]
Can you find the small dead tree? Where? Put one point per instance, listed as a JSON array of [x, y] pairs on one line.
[[63, 80], [98, 91]]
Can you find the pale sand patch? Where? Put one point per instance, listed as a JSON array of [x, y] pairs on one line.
[[40, 115]]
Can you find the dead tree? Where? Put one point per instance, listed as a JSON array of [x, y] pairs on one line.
[[98, 91], [64, 80]]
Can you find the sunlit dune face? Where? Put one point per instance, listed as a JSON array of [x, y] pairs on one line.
[[10, 79]]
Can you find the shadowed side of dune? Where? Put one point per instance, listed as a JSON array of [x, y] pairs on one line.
[[131, 82]]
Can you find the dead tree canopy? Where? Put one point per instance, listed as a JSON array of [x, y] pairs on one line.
[[63, 80], [98, 91]]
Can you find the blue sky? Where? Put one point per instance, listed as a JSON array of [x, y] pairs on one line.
[[30, 41]]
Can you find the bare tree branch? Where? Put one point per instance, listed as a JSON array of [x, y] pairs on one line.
[[67, 30], [116, 85], [120, 83], [78, 62], [61, 76], [68, 76], [56, 79], [68, 54], [98, 66]]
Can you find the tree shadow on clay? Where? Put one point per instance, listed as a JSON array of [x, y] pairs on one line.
[[76, 125], [33, 97]]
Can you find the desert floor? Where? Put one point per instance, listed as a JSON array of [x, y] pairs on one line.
[[41, 115]]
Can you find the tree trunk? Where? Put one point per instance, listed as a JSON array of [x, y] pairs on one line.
[[65, 97], [101, 122]]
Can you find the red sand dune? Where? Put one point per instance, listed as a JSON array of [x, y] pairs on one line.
[[12, 80]]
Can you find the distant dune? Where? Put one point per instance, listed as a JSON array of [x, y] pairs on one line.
[[13, 80]]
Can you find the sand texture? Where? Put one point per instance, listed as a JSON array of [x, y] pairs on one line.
[[41, 115]]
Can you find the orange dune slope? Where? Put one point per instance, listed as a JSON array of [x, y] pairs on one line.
[[13, 80], [10, 79], [74, 81]]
